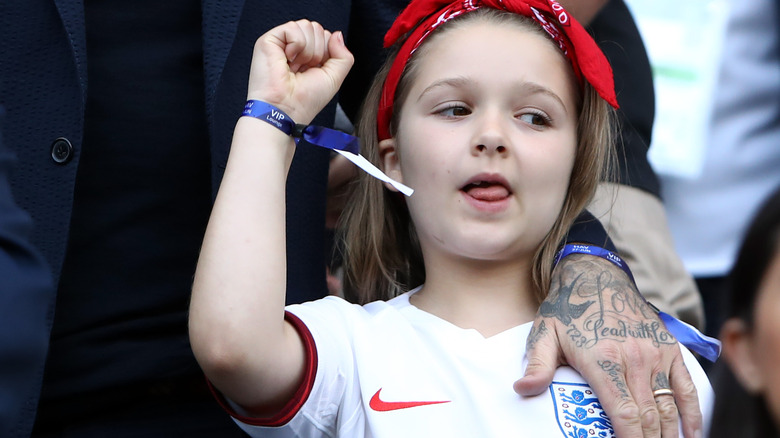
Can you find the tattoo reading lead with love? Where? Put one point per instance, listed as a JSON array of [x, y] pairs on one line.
[[596, 305], [620, 331]]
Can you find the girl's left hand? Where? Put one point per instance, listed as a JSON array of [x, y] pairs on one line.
[[298, 67]]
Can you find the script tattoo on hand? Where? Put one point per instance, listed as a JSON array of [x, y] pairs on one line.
[[615, 373], [594, 305], [537, 332]]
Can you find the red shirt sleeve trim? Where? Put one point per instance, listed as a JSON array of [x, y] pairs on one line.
[[286, 414]]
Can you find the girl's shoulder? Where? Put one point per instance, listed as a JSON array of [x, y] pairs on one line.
[[340, 310]]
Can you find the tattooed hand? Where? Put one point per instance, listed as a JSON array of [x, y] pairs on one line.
[[595, 321]]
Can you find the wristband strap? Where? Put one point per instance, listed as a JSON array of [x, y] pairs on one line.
[[685, 333], [594, 251], [269, 114], [316, 135], [691, 337], [345, 144]]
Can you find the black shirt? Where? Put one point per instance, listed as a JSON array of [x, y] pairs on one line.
[[141, 204], [614, 29]]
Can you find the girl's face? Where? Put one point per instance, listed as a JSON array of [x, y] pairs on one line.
[[486, 137], [754, 354]]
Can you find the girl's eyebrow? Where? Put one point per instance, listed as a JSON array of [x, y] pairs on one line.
[[528, 88], [455, 82], [535, 88]]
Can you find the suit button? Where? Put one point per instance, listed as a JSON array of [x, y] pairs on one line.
[[61, 150]]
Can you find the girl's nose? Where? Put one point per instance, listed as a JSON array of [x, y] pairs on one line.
[[490, 137], [487, 148]]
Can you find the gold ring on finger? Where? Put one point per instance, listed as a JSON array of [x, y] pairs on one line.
[[662, 391]]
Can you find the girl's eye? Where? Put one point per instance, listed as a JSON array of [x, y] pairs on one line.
[[536, 119], [455, 111]]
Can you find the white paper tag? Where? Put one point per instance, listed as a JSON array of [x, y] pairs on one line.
[[372, 170]]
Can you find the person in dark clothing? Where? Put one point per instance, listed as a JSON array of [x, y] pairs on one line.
[[26, 292]]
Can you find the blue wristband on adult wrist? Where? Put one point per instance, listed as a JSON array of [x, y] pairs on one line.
[[685, 333], [569, 249]]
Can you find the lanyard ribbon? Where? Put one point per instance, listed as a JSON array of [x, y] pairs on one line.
[[344, 144], [692, 338]]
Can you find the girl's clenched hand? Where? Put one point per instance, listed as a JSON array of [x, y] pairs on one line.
[[298, 67]]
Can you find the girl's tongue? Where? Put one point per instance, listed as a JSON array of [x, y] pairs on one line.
[[487, 191]]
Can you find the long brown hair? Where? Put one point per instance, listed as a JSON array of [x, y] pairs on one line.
[[382, 256]]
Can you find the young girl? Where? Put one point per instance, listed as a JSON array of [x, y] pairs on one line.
[[486, 112]]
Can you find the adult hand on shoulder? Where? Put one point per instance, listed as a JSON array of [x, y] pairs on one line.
[[596, 321], [298, 67]]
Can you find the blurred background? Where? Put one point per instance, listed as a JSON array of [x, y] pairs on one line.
[[716, 138]]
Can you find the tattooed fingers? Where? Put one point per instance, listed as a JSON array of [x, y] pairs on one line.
[[667, 408], [661, 381], [612, 390], [658, 415]]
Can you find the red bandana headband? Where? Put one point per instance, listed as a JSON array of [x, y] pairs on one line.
[[587, 60]]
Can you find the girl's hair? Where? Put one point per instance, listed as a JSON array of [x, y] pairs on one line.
[[738, 412], [382, 256]]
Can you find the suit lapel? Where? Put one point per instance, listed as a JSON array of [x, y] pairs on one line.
[[220, 22], [72, 15]]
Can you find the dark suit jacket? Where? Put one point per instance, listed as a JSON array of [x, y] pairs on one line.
[[26, 297], [43, 83]]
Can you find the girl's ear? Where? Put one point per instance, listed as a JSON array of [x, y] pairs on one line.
[[738, 349], [390, 161]]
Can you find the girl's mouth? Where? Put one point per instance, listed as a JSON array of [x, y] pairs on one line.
[[487, 191], [487, 187]]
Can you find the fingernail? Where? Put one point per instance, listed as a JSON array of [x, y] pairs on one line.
[[340, 37]]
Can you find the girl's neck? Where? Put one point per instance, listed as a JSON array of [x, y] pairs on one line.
[[489, 297]]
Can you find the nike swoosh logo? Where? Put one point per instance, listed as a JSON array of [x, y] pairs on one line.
[[379, 405]]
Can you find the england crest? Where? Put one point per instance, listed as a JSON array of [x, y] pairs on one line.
[[579, 412]]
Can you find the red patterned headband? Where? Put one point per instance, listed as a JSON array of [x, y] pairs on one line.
[[586, 58]]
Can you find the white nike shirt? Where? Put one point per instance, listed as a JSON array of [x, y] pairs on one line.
[[389, 369]]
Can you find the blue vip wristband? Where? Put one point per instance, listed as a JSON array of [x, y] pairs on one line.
[[316, 135], [569, 249], [687, 334]]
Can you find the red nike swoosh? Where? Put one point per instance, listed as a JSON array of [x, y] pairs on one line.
[[382, 406]]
